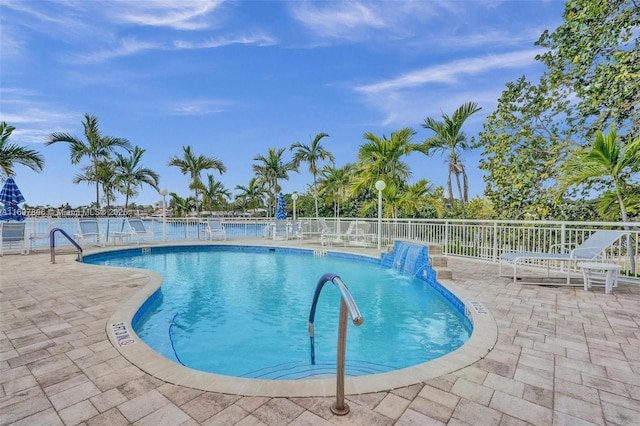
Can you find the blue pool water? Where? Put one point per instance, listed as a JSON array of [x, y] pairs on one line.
[[244, 312]]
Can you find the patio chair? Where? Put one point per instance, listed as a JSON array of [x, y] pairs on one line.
[[357, 235], [327, 236], [281, 230], [297, 231], [89, 229], [34, 237], [138, 231], [13, 237], [215, 229], [591, 249]]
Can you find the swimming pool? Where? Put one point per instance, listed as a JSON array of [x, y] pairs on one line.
[[127, 342], [243, 312]]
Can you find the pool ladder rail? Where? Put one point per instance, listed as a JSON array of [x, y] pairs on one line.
[[52, 243], [348, 306]]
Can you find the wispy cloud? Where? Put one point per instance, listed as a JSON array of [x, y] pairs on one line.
[[198, 107], [338, 19], [126, 47], [132, 46], [182, 15], [450, 73], [355, 20], [259, 39], [33, 119]]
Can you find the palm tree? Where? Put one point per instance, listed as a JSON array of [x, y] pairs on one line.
[[130, 174], [12, 153], [381, 158], [335, 184], [392, 199], [252, 195], [312, 154], [97, 147], [105, 175], [180, 205], [194, 165], [415, 196], [450, 138], [608, 160], [271, 168], [214, 194]]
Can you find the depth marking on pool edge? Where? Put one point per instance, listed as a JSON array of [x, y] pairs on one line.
[[122, 335], [477, 306]]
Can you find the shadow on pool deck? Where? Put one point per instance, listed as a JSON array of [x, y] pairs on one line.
[[563, 356]]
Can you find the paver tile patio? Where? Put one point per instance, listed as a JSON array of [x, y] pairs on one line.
[[562, 356]]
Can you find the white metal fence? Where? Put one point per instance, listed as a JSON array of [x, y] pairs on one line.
[[485, 240]]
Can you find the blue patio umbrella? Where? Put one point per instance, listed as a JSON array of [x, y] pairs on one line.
[[281, 208], [10, 197]]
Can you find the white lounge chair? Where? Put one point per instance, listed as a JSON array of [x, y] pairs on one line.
[[327, 236], [297, 231], [89, 229], [591, 249], [138, 231], [357, 235], [13, 238], [34, 237], [280, 230], [215, 229]]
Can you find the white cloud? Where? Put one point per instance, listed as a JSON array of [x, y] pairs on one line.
[[354, 20], [182, 15], [449, 73], [339, 18], [131, 46], [260, 40], [126, 47], [198, 107]]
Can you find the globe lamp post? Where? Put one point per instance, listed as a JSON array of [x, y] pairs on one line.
[[164, 193], [294, 197]]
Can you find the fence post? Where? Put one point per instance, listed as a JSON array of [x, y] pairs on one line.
[[495, 241], [446, 237]]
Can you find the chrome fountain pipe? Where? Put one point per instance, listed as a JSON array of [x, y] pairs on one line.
[[348, 306]]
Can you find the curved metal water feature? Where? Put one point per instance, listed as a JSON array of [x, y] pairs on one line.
[[347, 304]]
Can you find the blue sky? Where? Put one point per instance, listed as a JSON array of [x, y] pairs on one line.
[[235, 78]]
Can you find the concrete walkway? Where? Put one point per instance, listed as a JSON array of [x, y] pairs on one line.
[[563, 357]]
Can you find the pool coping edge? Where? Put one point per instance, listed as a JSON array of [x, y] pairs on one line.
[[479, 344]]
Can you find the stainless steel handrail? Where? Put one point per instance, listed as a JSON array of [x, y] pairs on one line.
[[52, 243], [347, 304]]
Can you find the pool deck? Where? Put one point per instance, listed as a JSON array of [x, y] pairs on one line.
[[564, 356]]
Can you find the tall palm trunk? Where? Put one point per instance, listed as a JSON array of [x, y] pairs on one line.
[[315, 195], [462, 201], [450, 190]]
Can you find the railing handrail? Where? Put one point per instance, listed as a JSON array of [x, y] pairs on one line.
[[480, 239], [52, 243], [347, 303]]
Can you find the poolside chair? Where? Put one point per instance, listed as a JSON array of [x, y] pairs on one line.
[[215, 229], [138, 231], [13, 236], [297, 230], [281, 230], [89, 229], [327, 236], [357, 235], [35, 236], [591, 249]]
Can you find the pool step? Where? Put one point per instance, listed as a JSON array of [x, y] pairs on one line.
[[439, 262], [306, 370]]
